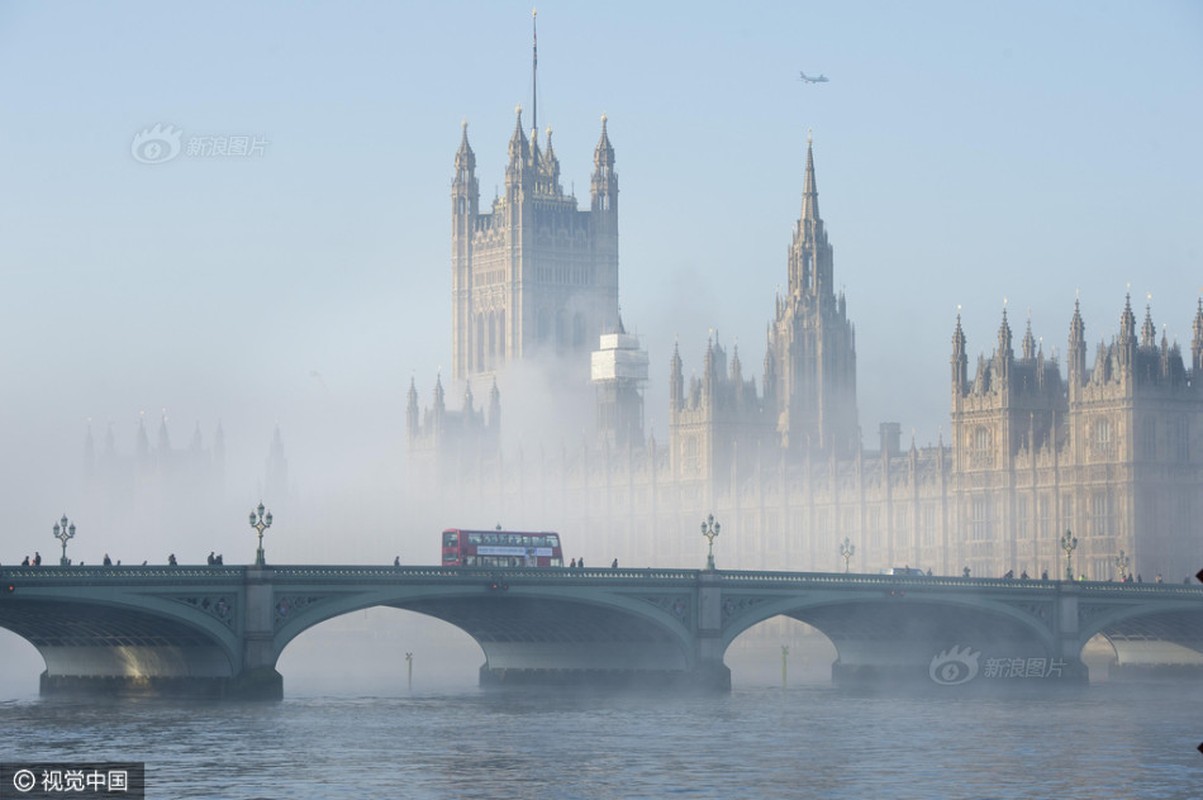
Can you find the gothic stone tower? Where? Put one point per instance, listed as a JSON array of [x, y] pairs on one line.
[[810, 366], [534, 276], [1005, 442], [1111, 454]]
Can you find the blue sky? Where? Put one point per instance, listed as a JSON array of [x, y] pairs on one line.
[[965, 153]]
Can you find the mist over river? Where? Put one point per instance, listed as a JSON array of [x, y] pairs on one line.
[[760, 741]]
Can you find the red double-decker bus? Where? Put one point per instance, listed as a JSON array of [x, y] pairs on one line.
[[500, 548]]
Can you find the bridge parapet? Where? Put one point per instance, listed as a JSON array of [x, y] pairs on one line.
[[527, 574], [77, 574], [376, 573]]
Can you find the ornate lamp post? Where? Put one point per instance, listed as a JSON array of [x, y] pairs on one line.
[[847, 548], [1069, 543], [710, 530], [63, 531], [260, 523], [1121, 566]]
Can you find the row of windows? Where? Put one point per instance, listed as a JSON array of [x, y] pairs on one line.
[[452, 538], [1101, 520], [1102, 440], [506, 561]]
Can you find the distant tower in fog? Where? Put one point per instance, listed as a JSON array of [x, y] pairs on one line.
[[534, 275], [275, 483], [619, 374], [154, 487]]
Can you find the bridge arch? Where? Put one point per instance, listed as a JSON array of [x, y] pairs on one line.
[[534, 631], [1168, 635], [903, 633], [135, 637], [838, 618]]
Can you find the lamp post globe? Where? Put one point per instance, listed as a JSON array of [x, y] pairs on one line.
[[64, 531], [1122, 562], [710, 529], [1069, 543], [847, 549], [261, 520]]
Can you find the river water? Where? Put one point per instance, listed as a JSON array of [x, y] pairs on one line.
[[760, 741]]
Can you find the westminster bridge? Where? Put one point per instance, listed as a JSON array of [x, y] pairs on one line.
[[219, 630]]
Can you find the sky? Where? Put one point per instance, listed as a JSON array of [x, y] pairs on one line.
[[968, 155]]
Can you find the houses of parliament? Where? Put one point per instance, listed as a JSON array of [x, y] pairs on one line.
[[1107, 446]]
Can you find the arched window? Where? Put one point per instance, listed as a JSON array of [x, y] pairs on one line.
[[690, 462], [981, 447]]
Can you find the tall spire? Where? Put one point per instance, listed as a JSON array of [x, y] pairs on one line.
[[1077, 349], [411, 410], [1127, 322], [1148, 331], [534, 71], [810, 194], [1004, 335], [603, 189], [676, 379], [1029, 341], [960, 359]]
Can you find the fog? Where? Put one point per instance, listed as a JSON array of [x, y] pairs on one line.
[[965, 158]]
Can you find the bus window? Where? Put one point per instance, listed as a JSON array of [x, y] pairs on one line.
[[450, 539]]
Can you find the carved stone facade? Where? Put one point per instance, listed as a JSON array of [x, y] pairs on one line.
[[534, 276], [1113, 453]]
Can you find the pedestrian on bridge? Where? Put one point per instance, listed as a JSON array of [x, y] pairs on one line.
[[212, 558], [37, 558], [171, 562], [108, 562]]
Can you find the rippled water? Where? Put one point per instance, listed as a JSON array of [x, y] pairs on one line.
[[757, 742]]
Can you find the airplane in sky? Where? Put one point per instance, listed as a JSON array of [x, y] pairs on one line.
[[820, 79]]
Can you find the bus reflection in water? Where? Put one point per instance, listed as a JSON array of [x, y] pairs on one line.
[[462, 548]]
